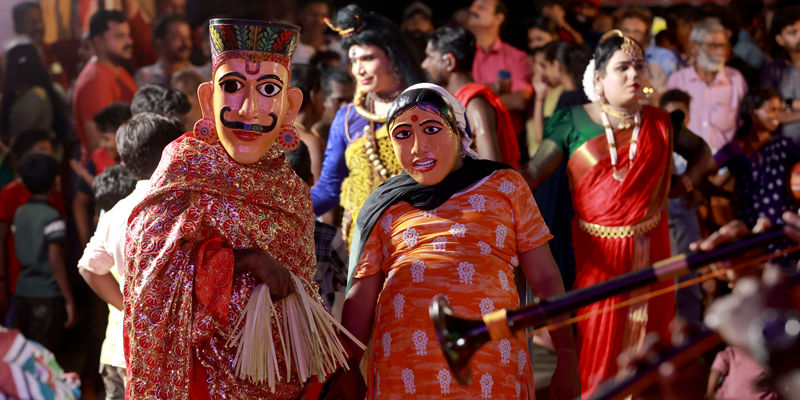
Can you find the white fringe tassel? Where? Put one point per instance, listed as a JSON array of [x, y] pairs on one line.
[[307, 337]]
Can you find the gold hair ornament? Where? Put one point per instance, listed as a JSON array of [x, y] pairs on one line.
[[629, 46], [344, 32]]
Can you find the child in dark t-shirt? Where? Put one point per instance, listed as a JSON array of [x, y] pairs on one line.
[[45, 304]]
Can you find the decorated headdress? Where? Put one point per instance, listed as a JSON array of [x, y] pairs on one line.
[[252, 40], [627, 45]]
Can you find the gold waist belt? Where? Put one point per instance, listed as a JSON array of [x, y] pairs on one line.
[[614, 232]]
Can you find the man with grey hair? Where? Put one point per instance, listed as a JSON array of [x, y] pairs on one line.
[[715, 89]]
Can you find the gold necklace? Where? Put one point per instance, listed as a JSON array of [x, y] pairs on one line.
[[358, 103], [626, 120]]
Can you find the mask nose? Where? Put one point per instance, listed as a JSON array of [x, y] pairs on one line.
[[249, 109]]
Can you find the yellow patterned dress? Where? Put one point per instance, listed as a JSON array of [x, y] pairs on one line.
[[363, 178]]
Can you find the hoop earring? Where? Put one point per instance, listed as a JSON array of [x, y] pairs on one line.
[[206, 130], [288, 139]]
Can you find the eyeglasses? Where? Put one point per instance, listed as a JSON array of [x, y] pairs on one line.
[[713, 46]]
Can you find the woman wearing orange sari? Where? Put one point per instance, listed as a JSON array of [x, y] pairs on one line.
[[619, 157]]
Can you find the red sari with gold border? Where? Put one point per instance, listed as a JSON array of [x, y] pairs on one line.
[[637, 202], [182, 298]]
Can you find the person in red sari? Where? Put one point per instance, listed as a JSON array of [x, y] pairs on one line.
[[226, 213], [619, 158], [448, 62]]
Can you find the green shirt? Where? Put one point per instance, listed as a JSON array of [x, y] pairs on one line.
[[570, 128], [36, 225]]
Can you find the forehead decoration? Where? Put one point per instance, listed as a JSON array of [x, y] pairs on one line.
[[253, 41], [628, 46]]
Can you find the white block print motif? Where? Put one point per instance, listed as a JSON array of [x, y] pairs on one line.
[[487, 306], [408, 380], [503, 280], [507, 188], [501, 233], [518, 387], [444, 380], [458, 230], [486, 386], [420, 340], [387, 344], [514, 261], [485, 248], [440, 244], [465, 271], [505, 351], [429, 213], [522, 359], [478, 202], [410, 237], [398, 302], [386, 223], [417, 269]]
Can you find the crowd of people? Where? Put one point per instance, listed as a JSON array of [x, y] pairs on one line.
[[436, 161]]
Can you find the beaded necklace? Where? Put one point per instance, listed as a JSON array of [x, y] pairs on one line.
[[619, 175]]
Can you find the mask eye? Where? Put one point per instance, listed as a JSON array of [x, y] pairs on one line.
[[432, 129], [269, 89], [231, 86], [403, 134]]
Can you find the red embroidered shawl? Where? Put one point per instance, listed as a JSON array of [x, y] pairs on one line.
[[181, 295]]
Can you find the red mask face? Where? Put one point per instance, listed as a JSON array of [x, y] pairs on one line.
[[250, 102], [427, 148]]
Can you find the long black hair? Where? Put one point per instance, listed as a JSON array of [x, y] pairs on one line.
[[753, 100], [25, 67], [427, 99], [370, 28], [572, 57]]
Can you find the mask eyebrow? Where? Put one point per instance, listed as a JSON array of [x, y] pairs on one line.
[[234, 74], [436, 121], [276, 77]]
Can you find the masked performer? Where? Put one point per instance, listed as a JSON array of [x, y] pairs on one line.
[[449, 225], [619, 156], [359, 154], [226, 213]]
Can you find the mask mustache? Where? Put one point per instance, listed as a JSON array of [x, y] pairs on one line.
[[247, 127]]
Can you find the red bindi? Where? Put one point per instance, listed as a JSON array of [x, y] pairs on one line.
[[414, 118]]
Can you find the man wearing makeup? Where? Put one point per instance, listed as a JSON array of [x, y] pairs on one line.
[[226, 213]]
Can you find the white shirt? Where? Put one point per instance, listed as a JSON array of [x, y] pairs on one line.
[[105, 251]]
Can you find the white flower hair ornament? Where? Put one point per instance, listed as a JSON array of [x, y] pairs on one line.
[[588, 82]]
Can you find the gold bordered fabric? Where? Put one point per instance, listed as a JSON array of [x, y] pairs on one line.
[[614, 232]]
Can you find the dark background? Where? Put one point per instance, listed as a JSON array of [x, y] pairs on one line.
[[274, 10]]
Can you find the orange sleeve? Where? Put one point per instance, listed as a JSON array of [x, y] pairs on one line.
[[372, 257], [531, 231]]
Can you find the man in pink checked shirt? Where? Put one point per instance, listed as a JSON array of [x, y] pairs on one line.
[[498, 65]]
